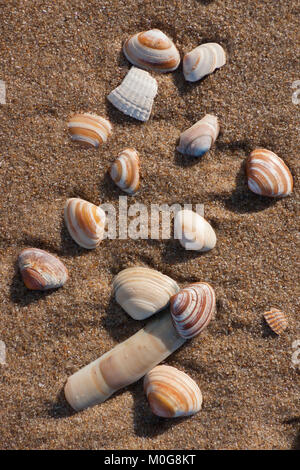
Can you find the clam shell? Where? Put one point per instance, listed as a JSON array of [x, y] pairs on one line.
[[134, 97], [85, 222], [268, 175], [89, 129], [172, 393], [152, 50], [141, 292], [198, 139], [276, 320], [192, 308], [203, 60], [125, 171], [40, 270], [193, 231]]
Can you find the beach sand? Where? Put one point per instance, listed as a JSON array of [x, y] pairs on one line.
[[61, 57]]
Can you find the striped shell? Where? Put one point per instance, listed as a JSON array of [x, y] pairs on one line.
[[125, 171], [85, 222], [134, 96], [199, 138], [192, 308], [141, 292], [89, 129], [203, 60], [268, 175], [172, 393], [276, 320], [40, 270], [193, 231], [152, 50]]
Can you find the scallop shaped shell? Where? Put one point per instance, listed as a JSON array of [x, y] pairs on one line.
[[276, 320], [125, 171], [40, 270], [152, 50], [192, 308], [141, 292], [193, 231], [198, 139], [89, 129], [268, 175], [172, 393], [203, 60], [85, 222], [134, 97]]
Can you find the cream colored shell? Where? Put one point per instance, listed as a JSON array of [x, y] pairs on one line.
[[89, 129], [203, 60], [193, 231], [198, 139], [125, 171]]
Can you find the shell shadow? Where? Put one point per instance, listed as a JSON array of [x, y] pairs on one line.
[[174, 253], [267, 332], [59, 408], [205, 2], [296, 441], [183, 86], [68, 246], [117, 117], [185, 161]]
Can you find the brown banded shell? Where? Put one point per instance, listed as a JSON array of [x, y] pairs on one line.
[[89, 129], [125, 171], [85, 222], [152, 50], [203, 60], [40, 270], [276, 320], [268, 175], [172, 393], [198, 139], [192, 308]]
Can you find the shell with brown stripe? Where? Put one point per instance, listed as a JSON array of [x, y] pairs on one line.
[[276, 320], [89, 129], [125, 171]]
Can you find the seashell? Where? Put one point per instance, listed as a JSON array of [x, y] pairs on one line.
[[125, 171], [134, 97], [152, 50], [172, 393], [40, 270], [85, 222], [2, 353], [203, 60], [268, 175], [141, 292], [276, 320], [193, 231], [89, 129], [192, 308], [198, 139]]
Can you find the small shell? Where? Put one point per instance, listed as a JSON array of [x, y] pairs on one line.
[[172, 393], [203, 60], [198, 139], [2, 353], [125, 171], [193, 231], [134, 97], [85, 222], [152, 50], [89, 129], [40, 270], [192, 308], [141, 292], [276, 320], [268, 175]]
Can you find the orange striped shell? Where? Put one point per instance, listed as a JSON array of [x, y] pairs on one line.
[[276, 320], [125, 171], [89, 129]]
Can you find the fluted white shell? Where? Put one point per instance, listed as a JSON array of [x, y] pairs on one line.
[[193, 231], [141, 291], [125, 171], [152, 50], [203, 60], [89, 129], [134, 96], [85, 222], [199, 138], [171, 393]]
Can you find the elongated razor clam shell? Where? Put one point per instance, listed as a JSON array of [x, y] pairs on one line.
[[85, 222], [193, 231], [276, 320], [124, 364], [141, 291], [125, 171], [198, 139], [2, 353], [192, 308], [134, 96], [152, 50], [89, 129], [268, 175], [203, 60], [40, 270], [171, 393]]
